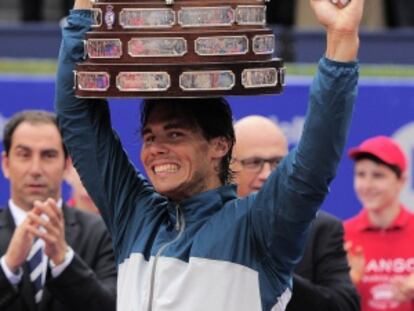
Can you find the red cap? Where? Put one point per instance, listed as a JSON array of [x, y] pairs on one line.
[[382, 147]]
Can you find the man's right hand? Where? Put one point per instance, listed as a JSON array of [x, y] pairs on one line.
[[341, 24], [20, 246], [82, 5]]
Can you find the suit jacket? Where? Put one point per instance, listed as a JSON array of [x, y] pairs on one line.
[[321, 280], [88, 283]]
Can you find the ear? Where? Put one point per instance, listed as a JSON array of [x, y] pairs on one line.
[[403, 179], [221, 147], [5, 164], [67, 168], [236, 167]]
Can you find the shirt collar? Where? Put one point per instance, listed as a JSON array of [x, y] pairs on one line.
[[399, 222], [201, 206], [19, 214]]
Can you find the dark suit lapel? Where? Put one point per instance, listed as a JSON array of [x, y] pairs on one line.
[[27, 289], [7, 228], [46, 296]]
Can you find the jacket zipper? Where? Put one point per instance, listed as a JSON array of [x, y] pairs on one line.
[[179, 226]]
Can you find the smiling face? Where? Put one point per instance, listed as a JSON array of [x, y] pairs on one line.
[[35, 164], [376, 185], [178, 160]]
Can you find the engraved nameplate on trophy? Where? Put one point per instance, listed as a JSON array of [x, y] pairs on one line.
[[264, 44], [207, 80], [251, 15], [259, 77], [143, 81], [104, 48], [206, 16], [92, 81], [225, 45], [146, 18], [157, 47]]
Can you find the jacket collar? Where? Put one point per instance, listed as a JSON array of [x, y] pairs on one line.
[[203, 205], [6, 218]]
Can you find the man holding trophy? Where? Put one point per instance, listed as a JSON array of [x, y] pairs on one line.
[[183, 240]]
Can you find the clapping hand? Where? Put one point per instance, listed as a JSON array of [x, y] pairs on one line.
[[356, 261]]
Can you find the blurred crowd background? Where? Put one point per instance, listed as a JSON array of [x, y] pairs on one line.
[[23, 20]]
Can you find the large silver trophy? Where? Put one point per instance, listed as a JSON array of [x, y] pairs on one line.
[[182, 48]]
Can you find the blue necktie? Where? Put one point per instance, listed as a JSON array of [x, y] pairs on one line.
[[36, 268]]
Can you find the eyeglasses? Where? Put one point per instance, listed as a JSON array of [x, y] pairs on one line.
[[256, 164]]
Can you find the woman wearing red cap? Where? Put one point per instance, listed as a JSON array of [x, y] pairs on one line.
[[379, 240]]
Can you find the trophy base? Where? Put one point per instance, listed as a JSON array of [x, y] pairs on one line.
[[179, 80]]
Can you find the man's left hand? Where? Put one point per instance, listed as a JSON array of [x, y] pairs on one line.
[[403, 288]]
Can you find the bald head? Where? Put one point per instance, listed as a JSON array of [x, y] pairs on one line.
[[257, 137], [256, 132]]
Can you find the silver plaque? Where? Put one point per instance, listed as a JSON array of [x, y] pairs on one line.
[[207, 80], [146, 18], [104, 48], [221, 45], [206, 16], [259, 77], [157, 47], [143, 81], [92, 81], [251, 15], [264, 44], [96, 18]]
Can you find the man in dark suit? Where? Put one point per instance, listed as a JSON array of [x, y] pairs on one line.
[[53, 258], [321, 280]]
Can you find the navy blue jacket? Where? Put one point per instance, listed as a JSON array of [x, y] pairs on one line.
[[212, 251]]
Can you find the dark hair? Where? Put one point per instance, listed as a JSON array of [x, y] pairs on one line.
[[368, 156], [30, 116], [213, 116]]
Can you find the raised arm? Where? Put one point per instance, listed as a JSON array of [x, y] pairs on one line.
[[291, 196], [95, 148]]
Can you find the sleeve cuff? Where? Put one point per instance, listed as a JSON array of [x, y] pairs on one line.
[[13, 278], [58, 269], [329, 62]]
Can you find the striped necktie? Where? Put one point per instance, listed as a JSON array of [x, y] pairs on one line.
[[36, 268]]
